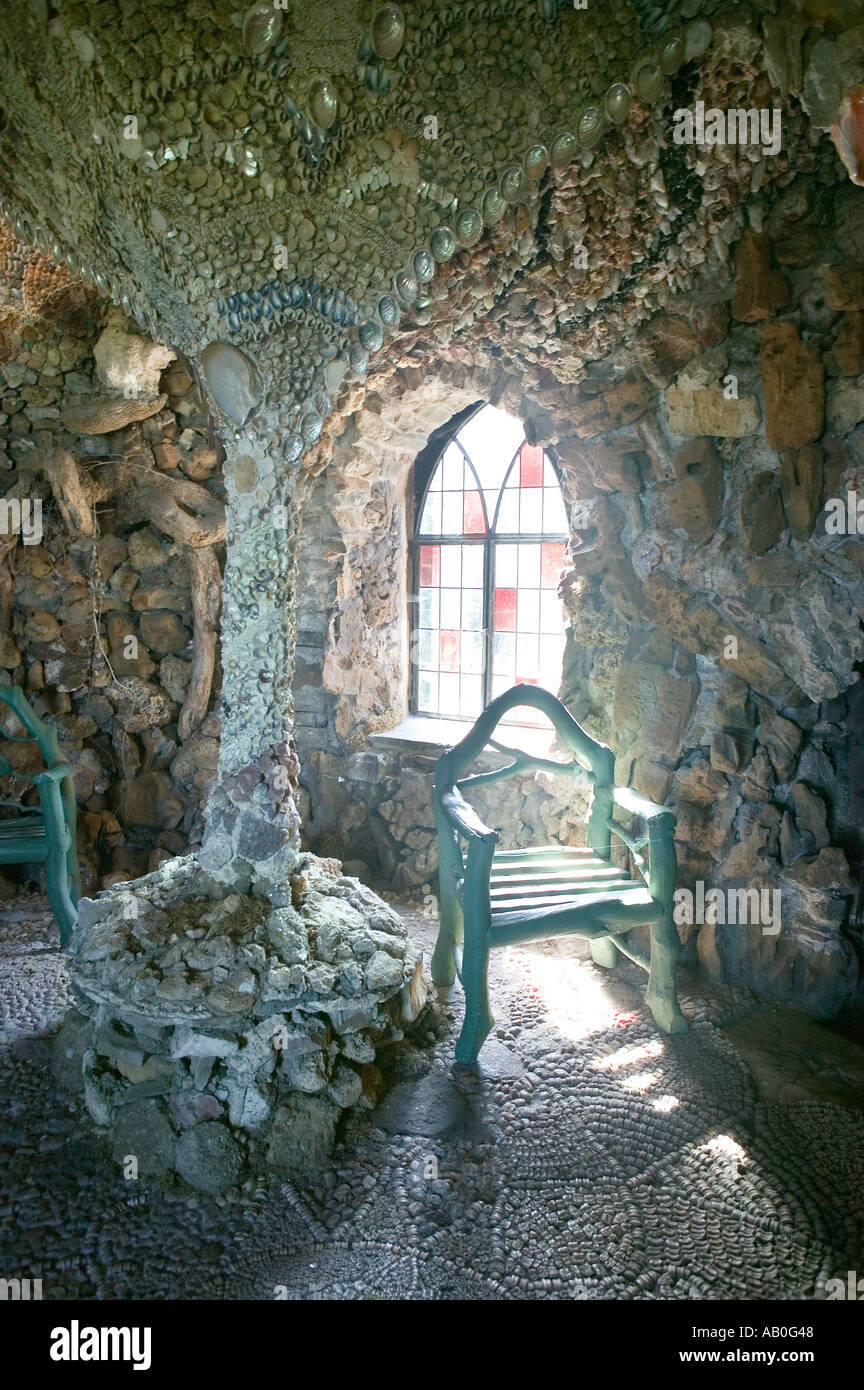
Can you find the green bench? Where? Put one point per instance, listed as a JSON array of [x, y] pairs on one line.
[[45, 834], [494, 898]]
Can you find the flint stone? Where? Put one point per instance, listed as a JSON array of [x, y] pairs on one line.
[[247, 1106], [187, 1043], [142, 1130], [305, 1071], [208, 1157], [303, 1133], [383, 972], [346, 1087]]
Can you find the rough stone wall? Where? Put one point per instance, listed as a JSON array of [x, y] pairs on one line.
[[70, 604], [362, 802], [714, 637]]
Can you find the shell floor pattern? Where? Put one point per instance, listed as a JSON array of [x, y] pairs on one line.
[[589, 1157]]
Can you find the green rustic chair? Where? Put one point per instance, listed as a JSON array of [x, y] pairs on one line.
[[47, 834], [496, 898]]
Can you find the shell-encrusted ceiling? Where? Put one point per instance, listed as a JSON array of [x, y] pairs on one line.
[[302, 183]]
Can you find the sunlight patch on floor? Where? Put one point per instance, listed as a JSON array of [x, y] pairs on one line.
[[574, 998]]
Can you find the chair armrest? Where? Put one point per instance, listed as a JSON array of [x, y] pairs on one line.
[[465, 819], [56, 773], [640, 805]]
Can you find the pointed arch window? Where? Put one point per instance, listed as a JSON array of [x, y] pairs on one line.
[[489, 541]]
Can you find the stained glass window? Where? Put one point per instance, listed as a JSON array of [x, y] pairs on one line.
[[490, 540]]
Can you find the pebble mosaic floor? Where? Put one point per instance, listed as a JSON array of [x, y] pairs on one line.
[[589, 1158]]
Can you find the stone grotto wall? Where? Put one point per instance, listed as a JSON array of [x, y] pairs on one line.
[[70, 604], [371, 802], [714, 634]]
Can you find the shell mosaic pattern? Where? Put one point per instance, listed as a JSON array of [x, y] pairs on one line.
[[353, 149], [216, 179]]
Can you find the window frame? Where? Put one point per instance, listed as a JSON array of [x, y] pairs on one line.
[[422, 484]]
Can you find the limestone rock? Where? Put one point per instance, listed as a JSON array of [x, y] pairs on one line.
[[139, 705], [844, 286], [759, 779], [782, 740], [705, 410], [150, 800], [695, 500], [849, 344], [622, 403], [163, 632], [729, 752], [383, 972], [10, 653], [700, 783], [846, 405], [652, 708], [667, 343], [760, 519], [127, 362], [802, 480], [612, 466], [793, 387], [104, 414], [760, 291]]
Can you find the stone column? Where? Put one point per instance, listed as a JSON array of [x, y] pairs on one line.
[[252, 835]]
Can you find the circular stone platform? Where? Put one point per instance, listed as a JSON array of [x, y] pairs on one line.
[[220, 1035]]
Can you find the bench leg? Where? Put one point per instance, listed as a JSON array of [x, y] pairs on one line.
[[662, 994], [604, 952], [478, 1017]]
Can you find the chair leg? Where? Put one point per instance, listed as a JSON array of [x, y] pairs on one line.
[[475, 982], [662, 994], [443, 964], [604, 952], [57, 889]]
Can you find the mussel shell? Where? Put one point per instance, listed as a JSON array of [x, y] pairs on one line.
[[387, 32]]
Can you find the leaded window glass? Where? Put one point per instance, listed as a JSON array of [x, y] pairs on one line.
[[490, 536]]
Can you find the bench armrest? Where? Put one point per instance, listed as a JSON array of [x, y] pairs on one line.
[[56, 773], [640, 805], [465, 819]]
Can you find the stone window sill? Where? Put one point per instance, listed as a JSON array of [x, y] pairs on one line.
[[422, 734]]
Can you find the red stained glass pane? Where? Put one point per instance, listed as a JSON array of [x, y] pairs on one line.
[[505, 610], [430, 566], [450, 643], [473, 523], [530, 466], [551, 565]]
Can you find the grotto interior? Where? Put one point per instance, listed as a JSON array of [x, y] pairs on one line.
[[358, 362]]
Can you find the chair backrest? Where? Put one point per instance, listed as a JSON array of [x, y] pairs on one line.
[[587, 752], [38, 731]]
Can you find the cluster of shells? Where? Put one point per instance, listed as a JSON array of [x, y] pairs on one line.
[[251, 136], [243, 161], [32, 283]]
